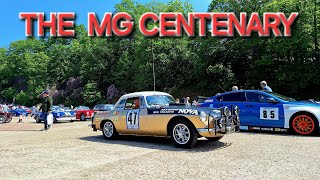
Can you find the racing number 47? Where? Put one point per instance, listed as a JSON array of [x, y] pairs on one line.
[[132, 118]]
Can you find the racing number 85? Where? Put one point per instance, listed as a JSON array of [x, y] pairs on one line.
[[265, 114]]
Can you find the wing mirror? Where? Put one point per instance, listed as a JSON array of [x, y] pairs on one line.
[[271, 100]]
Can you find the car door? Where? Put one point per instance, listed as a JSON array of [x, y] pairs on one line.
[[234, 98], [263, 113], [133, 116]]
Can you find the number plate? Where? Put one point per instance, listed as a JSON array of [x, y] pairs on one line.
[[133, 119], [267, 113]]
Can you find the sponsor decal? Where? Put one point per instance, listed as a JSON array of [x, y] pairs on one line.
[[266, 129], [244, 128], [250, 128], [174, 111]]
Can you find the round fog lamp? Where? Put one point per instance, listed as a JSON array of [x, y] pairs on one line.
[[203, 116]]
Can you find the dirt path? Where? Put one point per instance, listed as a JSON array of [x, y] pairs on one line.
[[74, 151]]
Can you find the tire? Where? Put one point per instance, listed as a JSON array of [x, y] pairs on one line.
[[183, 134], [214, 138], [304, 124], [82, 117], [55, 120], [109, 131]]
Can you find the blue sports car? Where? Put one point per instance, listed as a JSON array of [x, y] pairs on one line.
[[18, 112], [270, 111], [59, 114]]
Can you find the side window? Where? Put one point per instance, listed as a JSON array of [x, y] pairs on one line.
[[219, 98], [121, 104], [236, 97], [256, 97], [133, 103], [252, 97], [142, 103]]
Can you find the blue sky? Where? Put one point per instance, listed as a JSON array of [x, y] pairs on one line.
[[12, 28]]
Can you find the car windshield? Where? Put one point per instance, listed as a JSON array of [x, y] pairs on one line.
[[282, 97], [57, 109], [106, 107], [96, 107], [159, 100], [83, 108]]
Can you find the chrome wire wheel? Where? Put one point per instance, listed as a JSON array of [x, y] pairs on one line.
[[108, 129], [181, 134]]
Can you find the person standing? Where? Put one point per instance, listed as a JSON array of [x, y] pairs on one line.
[[265, 86], [46, 107], [186, 101], [235, 88]]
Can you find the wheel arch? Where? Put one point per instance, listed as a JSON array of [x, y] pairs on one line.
[[104, 121], [177, 118], [303, 112]]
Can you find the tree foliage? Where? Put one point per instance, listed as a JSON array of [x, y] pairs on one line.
[[86, 70]]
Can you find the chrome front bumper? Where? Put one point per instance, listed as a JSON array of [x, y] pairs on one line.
[[224, 125]]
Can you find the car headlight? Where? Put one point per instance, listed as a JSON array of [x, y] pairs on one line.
[[236, 110], [58, 114], [203, 116], [226, 111]]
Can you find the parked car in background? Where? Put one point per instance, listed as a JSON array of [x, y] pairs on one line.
[[59, 114], [5, 115], [18, 112], [29, 111], [103, 107], [156, 114], [83, 113]]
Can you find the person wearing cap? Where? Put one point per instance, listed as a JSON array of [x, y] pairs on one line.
[[265, 86], [46, 105]]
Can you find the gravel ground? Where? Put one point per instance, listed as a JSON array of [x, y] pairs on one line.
[[74, 151]]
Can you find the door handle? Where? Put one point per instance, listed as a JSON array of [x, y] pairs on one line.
[[249, 106]]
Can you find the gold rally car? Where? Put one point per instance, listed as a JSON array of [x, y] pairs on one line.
[[156, 114]]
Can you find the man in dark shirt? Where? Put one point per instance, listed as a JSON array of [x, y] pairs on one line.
[[46, 107]]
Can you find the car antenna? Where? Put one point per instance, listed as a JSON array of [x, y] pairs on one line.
[[222, 88]]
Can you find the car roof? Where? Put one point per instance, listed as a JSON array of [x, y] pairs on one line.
[[144, 93], [229, 92]]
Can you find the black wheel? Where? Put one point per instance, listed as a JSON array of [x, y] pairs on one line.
[[109, 131], [55, 120], [38, 119], [72, 121], [214, 138], [183, 134], [82, 117]]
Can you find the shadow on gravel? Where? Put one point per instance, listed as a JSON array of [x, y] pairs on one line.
[[285, 134], [159, 143]]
